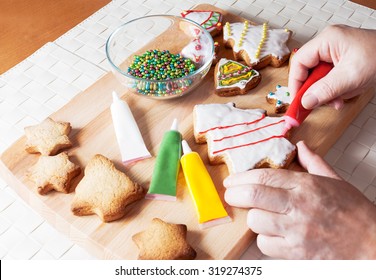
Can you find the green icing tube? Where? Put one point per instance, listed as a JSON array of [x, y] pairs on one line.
[[166, 169]]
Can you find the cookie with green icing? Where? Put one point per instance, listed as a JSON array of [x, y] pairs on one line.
[[233, 78], [210, 20]]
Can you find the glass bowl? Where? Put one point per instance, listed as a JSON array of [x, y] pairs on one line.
[[158, 34]]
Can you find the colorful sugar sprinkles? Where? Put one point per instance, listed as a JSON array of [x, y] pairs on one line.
[[163, 72]]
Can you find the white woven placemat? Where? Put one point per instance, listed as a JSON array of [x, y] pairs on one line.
[[48, 79]]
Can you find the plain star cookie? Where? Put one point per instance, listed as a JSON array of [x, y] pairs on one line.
[[257, 45], [233, 78], [104, 191], [280, 98], [164, 241], [48, 137], [243, 139], [53, 173]]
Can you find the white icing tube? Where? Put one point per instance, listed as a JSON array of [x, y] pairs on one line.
[[128, 135]]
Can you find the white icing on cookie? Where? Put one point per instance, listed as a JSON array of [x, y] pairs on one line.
[[197, 50], [243, 137], [234, 74], [208, 19], [281, 95], [250, 37]]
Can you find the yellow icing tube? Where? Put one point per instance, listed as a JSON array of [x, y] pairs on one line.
[[208, 205]]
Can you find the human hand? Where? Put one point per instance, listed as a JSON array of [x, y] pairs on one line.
[[299, 215], [351, 50]]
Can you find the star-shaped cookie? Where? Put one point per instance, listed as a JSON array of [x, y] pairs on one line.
[[164, 241], [257, 45], [53, 173], [280, 98], [48, 137], [243, 139], [104, 191]]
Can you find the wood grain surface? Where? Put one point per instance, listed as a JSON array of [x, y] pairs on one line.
[[26, 25], [93, 133]]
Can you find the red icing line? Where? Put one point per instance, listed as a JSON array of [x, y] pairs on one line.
[[249, 144], [249, 131], [237, 124], [211, 14]]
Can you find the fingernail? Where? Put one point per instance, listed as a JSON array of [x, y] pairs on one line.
[[309, 100]]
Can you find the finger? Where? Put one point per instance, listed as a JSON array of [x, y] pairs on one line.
[[277, 178], [337, 103], [259, 196], [329, 87], [303, 60], [266, 223], [273, 246], [313, 163]]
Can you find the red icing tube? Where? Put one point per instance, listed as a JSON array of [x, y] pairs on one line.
[[296, 113]]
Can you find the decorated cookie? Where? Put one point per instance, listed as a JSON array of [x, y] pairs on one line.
[[211, 21], [257, 45], [233, 78], [53, 173], [243, 139], [48, 137], [164, 241], [197, 50], [104, 191], [280, 98]]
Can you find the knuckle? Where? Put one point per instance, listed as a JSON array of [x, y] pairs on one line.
[[253, 195], [263, 176]]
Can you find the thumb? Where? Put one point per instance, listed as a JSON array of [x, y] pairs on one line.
[[313, 163], [336, 83]]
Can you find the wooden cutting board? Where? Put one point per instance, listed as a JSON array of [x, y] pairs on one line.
[[93, 133]]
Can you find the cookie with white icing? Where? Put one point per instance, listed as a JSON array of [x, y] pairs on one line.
[[233, 78], [210, 20], [243, 139], [257, 45], [198, 49], [280, 98]]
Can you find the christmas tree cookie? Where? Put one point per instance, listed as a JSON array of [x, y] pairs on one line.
[[210, 20], [233, 78], [258, 45]]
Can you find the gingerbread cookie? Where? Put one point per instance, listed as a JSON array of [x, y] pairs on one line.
[[243, 139], [48, 137], [104, 191], [210, 20], [233, 78], [258, 45], [280, 98], [53, 173], [198, 49], [164, 241]]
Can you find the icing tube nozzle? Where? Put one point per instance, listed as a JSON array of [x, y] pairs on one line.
[[128, 135], [186, 148], [209, 207], [174, 125], [166, 168], [296, 113]]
